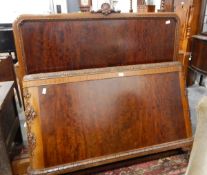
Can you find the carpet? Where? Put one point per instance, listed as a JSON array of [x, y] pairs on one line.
[[174, 165]]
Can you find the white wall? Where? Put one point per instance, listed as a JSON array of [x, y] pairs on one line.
[[11, 9], [63, 4]]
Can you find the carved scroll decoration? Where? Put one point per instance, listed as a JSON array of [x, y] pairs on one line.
[[106, 9], [30, 116]]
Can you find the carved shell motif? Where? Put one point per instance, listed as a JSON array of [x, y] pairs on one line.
[[106, 9]]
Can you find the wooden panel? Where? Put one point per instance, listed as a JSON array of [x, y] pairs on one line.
[[7, 73], [110, 117], [91, 117], [199, 52], [8, 125], [7, 70], [80, 41]]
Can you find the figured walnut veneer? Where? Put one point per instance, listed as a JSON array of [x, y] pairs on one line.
[[91, 117], [81, 41]]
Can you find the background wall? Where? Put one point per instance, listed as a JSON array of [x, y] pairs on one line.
[[11, 9], [73, 5]]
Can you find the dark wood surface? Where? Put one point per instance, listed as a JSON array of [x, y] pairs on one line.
[[189, 12], [80, 41], [7, 73], [9, 125], [192, 76], [199, 53], [109, 116], [92, 114]]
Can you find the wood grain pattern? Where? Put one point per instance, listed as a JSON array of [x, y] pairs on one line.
[[110, 117], [90, 121], [199, 52], [7, 73], [80, 41]]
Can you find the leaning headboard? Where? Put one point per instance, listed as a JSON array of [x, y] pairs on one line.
[[84, 40]]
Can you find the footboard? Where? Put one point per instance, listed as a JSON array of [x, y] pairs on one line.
[[86, 118]]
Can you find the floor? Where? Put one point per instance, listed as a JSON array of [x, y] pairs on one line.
[[172, 165]]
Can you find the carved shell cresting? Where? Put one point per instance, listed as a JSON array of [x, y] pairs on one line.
[[106, 9]]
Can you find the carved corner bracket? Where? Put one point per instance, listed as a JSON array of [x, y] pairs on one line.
[[30, 115], [106, 9]]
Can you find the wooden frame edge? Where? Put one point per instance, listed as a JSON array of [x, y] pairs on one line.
[[33, 127], [75, 16], [19, 52], [185, 104], [71, 167], [100, 73]]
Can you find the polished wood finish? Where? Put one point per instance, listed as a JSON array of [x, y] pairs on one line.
[[7, 73], [189, 12], [199, 53], [198, 64], [184, 10], [195, 22], [93, 117], [9, 125], [80, 41]]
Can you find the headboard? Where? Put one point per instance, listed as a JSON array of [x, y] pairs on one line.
[[84, 40]]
